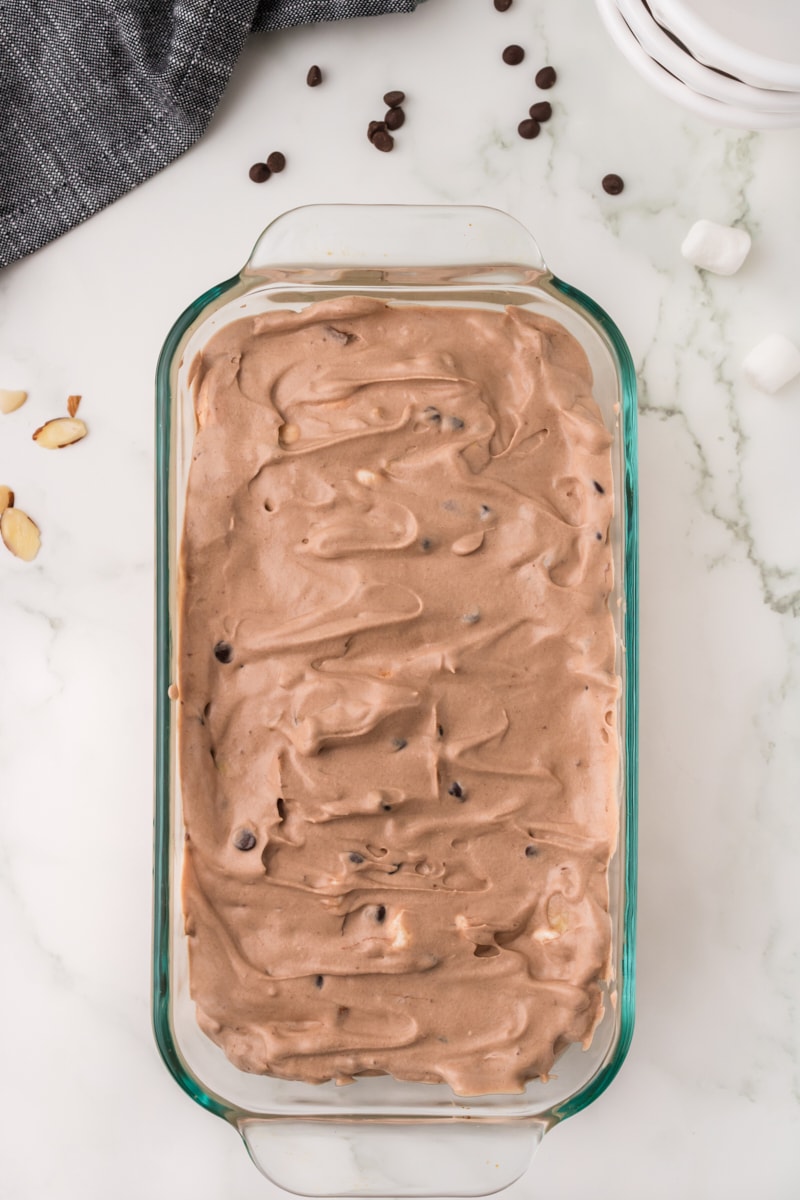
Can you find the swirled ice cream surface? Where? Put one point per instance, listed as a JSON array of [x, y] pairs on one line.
[[397, 694]]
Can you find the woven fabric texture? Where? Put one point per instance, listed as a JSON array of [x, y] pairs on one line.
[[98, 95]]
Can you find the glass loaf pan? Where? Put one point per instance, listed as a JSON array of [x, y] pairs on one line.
[[380, 1136]]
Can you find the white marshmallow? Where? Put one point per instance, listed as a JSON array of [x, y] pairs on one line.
[[718, 248], [772, 363]]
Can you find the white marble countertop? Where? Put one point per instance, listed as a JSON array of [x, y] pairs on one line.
[[707, 1104]]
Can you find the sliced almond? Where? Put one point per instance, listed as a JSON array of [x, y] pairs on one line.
[[11, 401], [72, 404], [6, 498], [20, 534], [62, 431]]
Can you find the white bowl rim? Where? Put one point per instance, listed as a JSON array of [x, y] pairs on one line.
[[726, 115], [715, 50], [702, 79]]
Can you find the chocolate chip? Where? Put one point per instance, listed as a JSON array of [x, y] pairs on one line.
[[455, 423], [380, 913], [394, 99], [356, 858], [244, 840], [314, 76], [386, 807], [340, 335], [456, 790], [541, 111], [259, 172], [502, 5], [531, 851], [373, 128], [545, 78], [598, 487], [425, 545], [223, 652], [383, 140], [395, 117], [612, 184], [440, 730], [432, 413], [318, 982], [399, 743], [599, 536], [276, 161], [485, 511], [529, 128], [471, 618], [513, 55]]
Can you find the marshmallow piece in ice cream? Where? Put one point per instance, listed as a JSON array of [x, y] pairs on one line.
[[718, 248], [772, 363]]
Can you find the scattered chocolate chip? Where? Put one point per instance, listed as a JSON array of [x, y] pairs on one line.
[[599, 536], [356, 858], [513, 55], [440, 730], [432, 413], [455, 423], [374, 127], [383, 141], [380, 913], [485, 511], [399, 743], [545, 78], [276, 161], [541, 111], [394, 99], [318, 982], [259, 172], [280, 804], [343, 1011], [502, 5], [395, 117], [425, 545], [244, 840], [531, 852], [456, 790], [471, 618], [613, 184], [598, 487], [314, 76], [386, 807], [529, 128], [223, 652]]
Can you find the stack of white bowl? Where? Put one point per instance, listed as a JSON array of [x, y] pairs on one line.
[[735, 62]]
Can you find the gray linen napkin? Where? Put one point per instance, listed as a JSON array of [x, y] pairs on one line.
[[98, 95]]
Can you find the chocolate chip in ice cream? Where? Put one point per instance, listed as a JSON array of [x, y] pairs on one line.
[[244, 839], [432, 413], [276, 161], [455, 423], [380, 913], [531, 851], [395, 118], [542, 110], [425, 545], [529, 128], [513, 55], [314, 76], [598, 487], [223, 652], [613, 184], [259, 172], [399, 743], [319, 980], [394, 99], [456, 790], [545, 77], [356, 858]]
